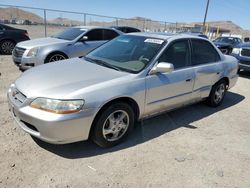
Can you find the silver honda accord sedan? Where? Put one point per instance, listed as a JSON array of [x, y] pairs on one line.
[[134, 76], [72, 42]]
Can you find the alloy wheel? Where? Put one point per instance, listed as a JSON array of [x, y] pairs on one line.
[[56, 57], [116, 125], [219, 93], [7, 47]]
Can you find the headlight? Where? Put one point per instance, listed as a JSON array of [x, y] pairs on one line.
[[58, 106], [236, 50], [32, 52]]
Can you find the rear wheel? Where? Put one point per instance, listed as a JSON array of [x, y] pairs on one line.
[[7, 46], [217, 94], [55, 57], [113, 124]]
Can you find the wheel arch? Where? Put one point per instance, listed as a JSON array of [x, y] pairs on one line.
[[8, 39], [226, 79], [55, 52], [130, 101]]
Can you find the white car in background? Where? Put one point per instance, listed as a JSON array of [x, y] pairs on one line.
[[72, 42]]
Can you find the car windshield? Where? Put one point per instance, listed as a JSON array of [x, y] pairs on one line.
[[70, 33], [126, 53], [226, 40]]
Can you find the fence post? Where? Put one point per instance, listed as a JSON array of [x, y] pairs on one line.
[[84, 21], [45, 23], [116, 21], [144, 22]]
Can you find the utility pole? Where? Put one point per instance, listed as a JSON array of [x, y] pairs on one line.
[[205, 17]]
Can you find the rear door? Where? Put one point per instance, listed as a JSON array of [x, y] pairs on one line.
[[205, 61]]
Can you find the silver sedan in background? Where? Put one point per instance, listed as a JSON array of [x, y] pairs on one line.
[[72, 42], [132, 77]]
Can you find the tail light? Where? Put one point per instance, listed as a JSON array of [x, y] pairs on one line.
[[26, 34]]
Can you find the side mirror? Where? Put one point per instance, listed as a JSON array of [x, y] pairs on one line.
[[246, 39], [162, 67], [84, 38]]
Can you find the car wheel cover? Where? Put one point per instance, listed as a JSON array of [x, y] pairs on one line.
[[115, 126], [7, 47], [56, 57], [219, 93]]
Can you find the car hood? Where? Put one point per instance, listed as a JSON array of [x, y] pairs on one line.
[[222, 44], [41, 42], [244, 45], [62, 78]]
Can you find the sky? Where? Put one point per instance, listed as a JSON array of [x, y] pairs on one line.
[[162, 10]]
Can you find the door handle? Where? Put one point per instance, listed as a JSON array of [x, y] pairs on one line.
[[188, 80]]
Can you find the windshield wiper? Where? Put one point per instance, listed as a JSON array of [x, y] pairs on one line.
[[103, 63]]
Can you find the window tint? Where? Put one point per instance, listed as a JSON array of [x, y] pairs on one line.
[[239, 40], [130, 30], [69, 34], [95, 34], [203, 52], [177, 54], [109, 34]]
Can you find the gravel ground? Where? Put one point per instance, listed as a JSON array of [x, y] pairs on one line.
[[196, 146]]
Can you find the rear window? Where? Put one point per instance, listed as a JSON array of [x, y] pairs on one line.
[[203, 52], [109, 34], [70, 33]]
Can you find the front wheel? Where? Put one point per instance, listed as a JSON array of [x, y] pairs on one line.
[[113, 124], [55, 57], [217, 94]]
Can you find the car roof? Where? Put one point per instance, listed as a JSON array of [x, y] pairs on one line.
[[91, 27], [166, 36], [229, 37]]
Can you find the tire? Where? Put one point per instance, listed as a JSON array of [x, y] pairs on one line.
[[55, 57], [7, 46], [217, 94], [108, 129]]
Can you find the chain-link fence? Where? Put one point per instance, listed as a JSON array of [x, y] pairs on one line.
[[45, 22]]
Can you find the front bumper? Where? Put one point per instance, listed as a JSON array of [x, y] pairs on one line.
[[244, 66], [25, 63], [244, 62], [49, 127]]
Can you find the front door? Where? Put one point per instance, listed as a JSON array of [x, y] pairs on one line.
[[82, 47], [169, 90]]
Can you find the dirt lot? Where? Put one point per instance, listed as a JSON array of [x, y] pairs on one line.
[[196, 146]]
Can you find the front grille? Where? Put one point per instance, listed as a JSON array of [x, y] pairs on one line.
[[17, 97], [245, 62], [18, 52], [245, 52]]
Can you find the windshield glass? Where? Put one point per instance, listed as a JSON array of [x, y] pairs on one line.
[[69, 34], [225, 39], [127, 53]]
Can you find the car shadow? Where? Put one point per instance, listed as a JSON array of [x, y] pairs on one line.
[[145, 130]]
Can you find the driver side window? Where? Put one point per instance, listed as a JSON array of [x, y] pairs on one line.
[[177, 54]]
